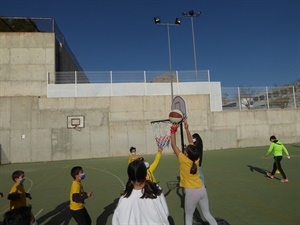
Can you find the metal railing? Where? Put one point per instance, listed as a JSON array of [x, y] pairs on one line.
[[247, 98], [94, 77], [103, 83]]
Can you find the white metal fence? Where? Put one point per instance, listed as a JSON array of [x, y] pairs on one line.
[[104, 77], [247, 98], [118, 83]]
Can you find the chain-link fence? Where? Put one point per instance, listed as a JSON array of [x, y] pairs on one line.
[[247, 98]]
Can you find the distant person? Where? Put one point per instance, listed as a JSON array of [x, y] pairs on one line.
[[1, 195], [77, 197], [19, 216], [151, 168], [277, 148], [17, 194], [195, 191], [133, 155], [142, 202]]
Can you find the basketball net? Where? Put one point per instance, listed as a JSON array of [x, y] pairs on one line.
[[161, 132], [77, 128]]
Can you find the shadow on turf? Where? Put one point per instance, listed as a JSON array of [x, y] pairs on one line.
[[108, 210], [59, 215], [197, 219], [260, 170]]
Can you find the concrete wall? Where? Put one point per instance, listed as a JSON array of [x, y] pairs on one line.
[[35, 128], [25, 59]]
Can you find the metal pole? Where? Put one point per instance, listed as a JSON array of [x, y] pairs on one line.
[[170, 60], [192, 14], [194, 46]]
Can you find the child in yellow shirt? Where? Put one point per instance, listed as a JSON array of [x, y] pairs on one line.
[[17, 194]]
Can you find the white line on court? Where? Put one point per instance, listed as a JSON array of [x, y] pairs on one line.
[[5, 210], [38, 213], [105, 171]]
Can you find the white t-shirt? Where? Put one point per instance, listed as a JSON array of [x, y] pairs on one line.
[[141, 211]]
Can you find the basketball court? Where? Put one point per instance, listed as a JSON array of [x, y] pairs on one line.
[[237, 186], [238, 189]]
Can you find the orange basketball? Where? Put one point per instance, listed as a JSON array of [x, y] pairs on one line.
[[175, 116]]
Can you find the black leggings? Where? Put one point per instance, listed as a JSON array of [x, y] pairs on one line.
[[81, 216], [277, 165]]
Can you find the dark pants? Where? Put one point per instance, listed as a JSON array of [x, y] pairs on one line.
[[277, 165], [81, 216]]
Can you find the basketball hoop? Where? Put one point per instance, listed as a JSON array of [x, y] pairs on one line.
[[77, 128], [161, 132], [75, 123]]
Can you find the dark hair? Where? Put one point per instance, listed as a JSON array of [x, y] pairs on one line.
[[199, 146], [17, 174], [193, 155], [132, 148], [137, 172], [75, 171], [273, 138], [198, 140], [18, 216]]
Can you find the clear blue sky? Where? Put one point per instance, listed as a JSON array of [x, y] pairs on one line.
[[241, 42]]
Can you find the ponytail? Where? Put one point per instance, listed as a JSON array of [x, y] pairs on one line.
[[193, 169], [193, 155], [128, 189], [151, 190]]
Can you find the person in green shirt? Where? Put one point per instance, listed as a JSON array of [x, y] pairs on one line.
[[277, 148]]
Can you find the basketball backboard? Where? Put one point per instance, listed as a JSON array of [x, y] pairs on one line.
[[75, 122], [179, 103]]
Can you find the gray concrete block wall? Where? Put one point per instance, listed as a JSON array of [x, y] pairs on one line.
[[35, 129], [25, 59]]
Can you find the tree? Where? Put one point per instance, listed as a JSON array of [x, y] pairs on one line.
[[246, 96], [165, 78], [280, 102]]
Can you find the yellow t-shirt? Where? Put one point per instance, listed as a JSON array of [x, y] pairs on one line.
[[132, 157], [76, 188], [152, 167], [188, 180], [17, 189]]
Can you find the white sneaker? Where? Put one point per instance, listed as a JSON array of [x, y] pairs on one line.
[[284, 180]]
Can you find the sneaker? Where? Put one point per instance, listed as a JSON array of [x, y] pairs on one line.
[[270, 175], [284, 180]]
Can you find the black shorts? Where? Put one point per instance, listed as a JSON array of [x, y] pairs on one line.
[[81, 216]]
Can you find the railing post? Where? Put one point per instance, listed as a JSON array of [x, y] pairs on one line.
[[75, 84], [145, 83], [268, 106], [294, 96], [111, 81], [239, 96]]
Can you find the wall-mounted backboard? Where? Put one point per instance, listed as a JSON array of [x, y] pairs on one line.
[[75, 122]]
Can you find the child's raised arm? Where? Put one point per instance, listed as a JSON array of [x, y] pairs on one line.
[[174, 127]]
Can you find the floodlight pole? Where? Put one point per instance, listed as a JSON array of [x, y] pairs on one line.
[[177, 23], [191, 14]]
